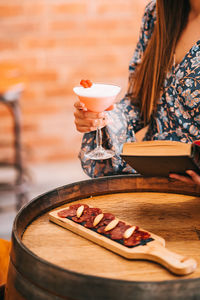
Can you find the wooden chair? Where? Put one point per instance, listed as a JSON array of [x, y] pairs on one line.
[[11, 87]]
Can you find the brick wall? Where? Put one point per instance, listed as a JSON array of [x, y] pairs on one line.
[[59, 42]]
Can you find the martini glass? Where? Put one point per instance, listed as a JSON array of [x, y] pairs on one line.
[[98, 98]]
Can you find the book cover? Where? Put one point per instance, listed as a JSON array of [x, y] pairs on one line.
[[154, 161]]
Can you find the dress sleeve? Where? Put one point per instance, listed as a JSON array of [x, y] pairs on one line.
[[124, 119]]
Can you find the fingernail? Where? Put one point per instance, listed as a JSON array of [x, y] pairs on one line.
[[189, 171], [82, 108]]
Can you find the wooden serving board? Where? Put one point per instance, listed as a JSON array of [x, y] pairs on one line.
[[154, 250]]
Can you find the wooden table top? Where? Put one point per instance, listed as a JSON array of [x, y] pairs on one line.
[[174, 217]]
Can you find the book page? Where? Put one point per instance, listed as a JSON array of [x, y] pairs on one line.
[[156, 148]]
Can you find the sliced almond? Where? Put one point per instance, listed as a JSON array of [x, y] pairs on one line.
[[129, 232], [97, 219], [111, 225], [79, 211]]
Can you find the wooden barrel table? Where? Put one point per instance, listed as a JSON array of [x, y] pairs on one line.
[[49, 262]]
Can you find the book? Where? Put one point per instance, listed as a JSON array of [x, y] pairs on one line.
[[159, 158]]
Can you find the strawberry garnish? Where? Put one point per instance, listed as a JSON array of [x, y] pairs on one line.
[[89, 83], [86, 83]]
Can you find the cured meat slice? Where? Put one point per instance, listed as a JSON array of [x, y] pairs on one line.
[[107, 217], [117, 232], [104, 222], [145, 235], [133, 240], [88, 216], [92, 215], [71, 211], [136, 238]]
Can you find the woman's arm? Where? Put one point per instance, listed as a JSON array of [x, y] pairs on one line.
[[124, 120]]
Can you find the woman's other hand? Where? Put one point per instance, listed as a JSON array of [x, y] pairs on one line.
[[87, 121], [193, 178]]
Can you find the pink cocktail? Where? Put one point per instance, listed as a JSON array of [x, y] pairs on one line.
[[98, 98]]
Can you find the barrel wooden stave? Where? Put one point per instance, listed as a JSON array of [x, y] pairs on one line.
[[91, 288], [95, 289], [22, 289], [65, 283]]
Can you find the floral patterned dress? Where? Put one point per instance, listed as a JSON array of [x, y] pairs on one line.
[[178, 111]]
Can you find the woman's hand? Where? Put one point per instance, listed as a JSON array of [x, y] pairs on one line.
[[87, 121], [193, 179]]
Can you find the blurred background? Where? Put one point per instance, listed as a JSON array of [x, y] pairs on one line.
[[46, 48]]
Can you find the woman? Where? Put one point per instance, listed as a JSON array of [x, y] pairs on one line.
[[164, 89]]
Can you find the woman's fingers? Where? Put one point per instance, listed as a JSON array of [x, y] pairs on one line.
[[89, 122], [181, 178], [80, 106], [86, 121], [88, 115], [83, 129], [193, 179]]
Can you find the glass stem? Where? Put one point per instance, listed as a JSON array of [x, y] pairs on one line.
[[99, 138]]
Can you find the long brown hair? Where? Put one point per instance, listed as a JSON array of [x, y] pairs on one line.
[[171, 18]]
